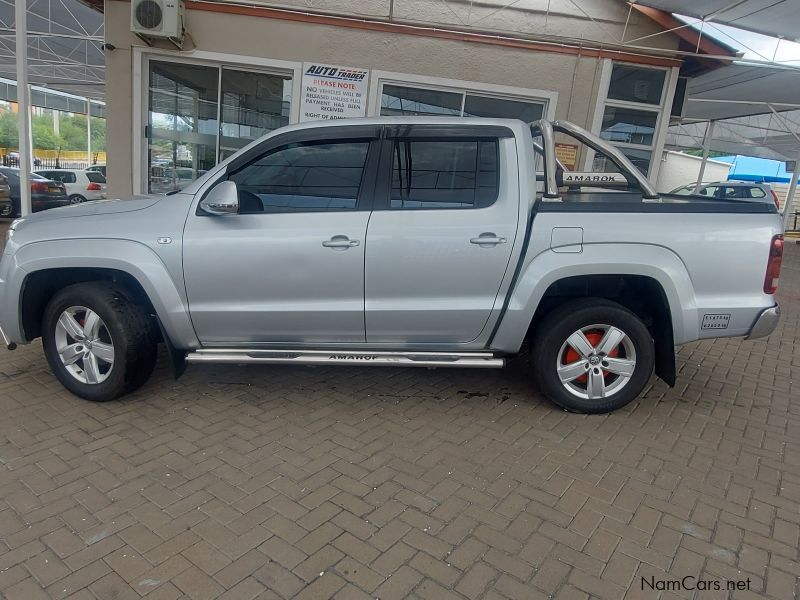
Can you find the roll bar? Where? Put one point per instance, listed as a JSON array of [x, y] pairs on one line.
[[546, 129]]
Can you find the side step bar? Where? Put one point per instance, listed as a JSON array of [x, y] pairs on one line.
[[360, 357]]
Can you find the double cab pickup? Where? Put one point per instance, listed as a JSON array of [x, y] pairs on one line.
[[402, 241]]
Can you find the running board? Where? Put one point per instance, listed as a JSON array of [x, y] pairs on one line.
[[361, 357]]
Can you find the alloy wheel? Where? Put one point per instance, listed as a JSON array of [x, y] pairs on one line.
[[596, 361], [84, 345]]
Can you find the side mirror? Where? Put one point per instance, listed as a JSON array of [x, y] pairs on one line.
[[223, 199]]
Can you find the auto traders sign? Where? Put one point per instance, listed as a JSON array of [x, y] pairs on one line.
[[333, 92]]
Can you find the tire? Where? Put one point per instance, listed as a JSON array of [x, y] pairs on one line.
[[76, 199], [593, 388], [118, 321]]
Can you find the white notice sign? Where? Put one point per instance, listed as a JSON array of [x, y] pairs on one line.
[[332, 92]]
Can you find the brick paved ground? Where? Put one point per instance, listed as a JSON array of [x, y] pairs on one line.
[[281, 482]]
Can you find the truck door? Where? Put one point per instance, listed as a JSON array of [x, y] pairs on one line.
[[441, 233], [290, 266]]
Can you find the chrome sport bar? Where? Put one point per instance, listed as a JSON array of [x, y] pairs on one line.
[[546, 129]]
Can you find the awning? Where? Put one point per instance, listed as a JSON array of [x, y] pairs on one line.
[[756, 110], [65, 46], [770, 17]]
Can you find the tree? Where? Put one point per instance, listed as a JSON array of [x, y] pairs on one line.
[[44, 138], [8, 130], [98, 134], [73, 132]]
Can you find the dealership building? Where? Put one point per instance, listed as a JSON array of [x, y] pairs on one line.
[[241, 70]]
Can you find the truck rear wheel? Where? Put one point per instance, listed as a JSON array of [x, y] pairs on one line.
[[98, 341], [592, 355]]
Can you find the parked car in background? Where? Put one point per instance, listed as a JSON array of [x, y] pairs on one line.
[[45, 193], [732, 190], [81, 185], [6, 207], [98, 169]]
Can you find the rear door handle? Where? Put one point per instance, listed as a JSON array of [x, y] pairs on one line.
[[488, 239], [340, 242]]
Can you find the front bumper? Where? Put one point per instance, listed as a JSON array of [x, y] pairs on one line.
[[765, 323]]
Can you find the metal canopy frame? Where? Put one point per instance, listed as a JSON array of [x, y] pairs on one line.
[[65, 46]]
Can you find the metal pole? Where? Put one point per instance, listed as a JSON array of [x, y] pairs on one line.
[[89, 131], [788, 206], [23, 108], [706, 149]]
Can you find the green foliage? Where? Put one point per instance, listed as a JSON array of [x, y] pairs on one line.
[[8, 130], [43, 136], [71, 136]]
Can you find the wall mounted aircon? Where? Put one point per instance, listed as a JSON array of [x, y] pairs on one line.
[[157, 18]]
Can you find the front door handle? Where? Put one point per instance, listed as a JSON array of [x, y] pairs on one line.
[[340, 242], [488, 239]]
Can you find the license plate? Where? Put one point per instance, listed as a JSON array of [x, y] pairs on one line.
[[55, 190]]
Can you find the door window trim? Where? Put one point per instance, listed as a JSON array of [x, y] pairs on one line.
[[383, 182], [367, 187]]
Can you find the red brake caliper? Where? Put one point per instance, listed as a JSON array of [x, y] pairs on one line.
[[571, 355]]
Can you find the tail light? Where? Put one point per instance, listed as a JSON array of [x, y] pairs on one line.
[[93, 187], [777, 201], [774, 265], [38, 186]]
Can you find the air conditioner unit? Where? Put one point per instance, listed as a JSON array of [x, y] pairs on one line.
[[157, 18]]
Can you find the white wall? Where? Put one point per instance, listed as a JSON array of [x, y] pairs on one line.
[[679, 169]]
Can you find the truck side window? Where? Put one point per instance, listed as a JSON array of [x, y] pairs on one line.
[[444, 174], [303, 177]]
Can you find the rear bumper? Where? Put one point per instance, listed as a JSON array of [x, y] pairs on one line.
[[45, 202], [765, 323]]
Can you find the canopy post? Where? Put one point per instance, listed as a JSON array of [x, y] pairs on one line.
[[23, 107], [788, 206], [709, 135], [88, 131]]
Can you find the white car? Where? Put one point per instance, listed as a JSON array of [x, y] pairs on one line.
[[81, 185]]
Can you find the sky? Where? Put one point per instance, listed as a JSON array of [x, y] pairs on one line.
[[754, 45]]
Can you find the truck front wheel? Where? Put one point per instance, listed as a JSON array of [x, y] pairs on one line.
[[592, 355], [98, 341]]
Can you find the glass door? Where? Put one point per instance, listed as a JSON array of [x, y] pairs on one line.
[[252, 104], [182, 123]]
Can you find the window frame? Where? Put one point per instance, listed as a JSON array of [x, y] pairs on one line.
[[428, 133], [379, 78], [662, 111]]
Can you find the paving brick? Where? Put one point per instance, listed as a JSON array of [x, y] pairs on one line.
[[197, 585], [245, 483], [281, 580], [240, 568], [399, 584], [322, 560]]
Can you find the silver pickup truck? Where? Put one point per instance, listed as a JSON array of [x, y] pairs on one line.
[[396, 241]]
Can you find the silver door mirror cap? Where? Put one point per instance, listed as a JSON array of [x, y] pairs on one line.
[[222, 199]]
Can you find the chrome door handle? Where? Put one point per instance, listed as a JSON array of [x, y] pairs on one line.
[[488, 239], [340, 242]]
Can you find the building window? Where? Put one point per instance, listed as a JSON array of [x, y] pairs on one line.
[[634, 84], [200, 114], [444, 174], [631, 114], [408, 101], [397, 100]]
